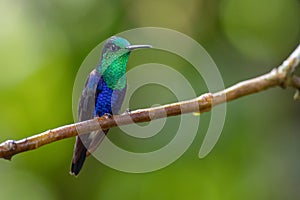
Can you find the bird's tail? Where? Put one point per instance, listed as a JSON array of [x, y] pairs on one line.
[[81, 152], [78, 157]]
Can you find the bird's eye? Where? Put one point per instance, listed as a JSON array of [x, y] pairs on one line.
[[114, 47]]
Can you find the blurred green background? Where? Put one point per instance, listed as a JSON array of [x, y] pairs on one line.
[[42, 45]]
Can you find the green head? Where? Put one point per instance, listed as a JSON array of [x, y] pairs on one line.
[[114, 59]]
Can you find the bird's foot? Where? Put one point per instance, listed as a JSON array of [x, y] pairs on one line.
[[127, 111], [107, 115]]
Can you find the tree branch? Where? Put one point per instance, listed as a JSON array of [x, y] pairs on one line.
[[282, 76]]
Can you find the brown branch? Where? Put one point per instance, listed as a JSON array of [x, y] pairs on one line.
[[282, 76]]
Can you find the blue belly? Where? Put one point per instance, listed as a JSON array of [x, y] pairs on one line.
[[103, 102], [107, 99]]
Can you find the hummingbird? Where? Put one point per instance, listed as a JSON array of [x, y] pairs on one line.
[[103, 94]]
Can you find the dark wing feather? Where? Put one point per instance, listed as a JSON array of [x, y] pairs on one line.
[[85, 112], [87, 100], [117, 100]]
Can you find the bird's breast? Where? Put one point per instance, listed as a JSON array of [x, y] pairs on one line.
[[103, 100], [108, 100]]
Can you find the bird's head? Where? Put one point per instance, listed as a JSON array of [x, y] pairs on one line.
[[114, 57], [117, 48]]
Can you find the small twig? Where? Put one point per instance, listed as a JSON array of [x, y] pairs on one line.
[[282, 76]]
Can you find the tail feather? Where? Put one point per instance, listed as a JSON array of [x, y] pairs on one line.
[[81, 152], [78, 157], [76, 166]]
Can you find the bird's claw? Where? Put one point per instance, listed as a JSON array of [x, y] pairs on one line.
[[127, 111], [107, 115]]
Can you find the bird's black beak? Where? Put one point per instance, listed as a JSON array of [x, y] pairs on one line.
[[132, 47]]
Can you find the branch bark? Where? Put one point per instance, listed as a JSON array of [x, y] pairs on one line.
[[282, 76]]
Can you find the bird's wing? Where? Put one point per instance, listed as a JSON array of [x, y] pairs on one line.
[[87, 100], [117, 100], [85, 112]]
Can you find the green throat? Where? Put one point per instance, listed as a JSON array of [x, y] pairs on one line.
[[113, 71]]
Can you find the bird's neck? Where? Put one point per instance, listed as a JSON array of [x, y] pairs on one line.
[[114, 72]]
